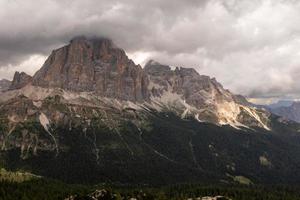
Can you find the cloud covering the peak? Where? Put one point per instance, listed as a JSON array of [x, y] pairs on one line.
[[251, 47]]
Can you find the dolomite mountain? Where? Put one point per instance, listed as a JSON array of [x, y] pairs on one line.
[[20, 80], [93, 65], [98, 66], [91, 114]]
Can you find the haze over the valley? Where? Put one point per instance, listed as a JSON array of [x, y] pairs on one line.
[[251, 47]]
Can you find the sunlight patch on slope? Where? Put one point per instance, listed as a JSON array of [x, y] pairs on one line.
[[228, 113], [255, 116], [46, 124], [263, 160]]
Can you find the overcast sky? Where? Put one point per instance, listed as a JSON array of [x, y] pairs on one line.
[[251, 46]]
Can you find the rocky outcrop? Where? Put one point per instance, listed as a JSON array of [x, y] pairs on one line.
[[4, 84], [94, 65], [20, 80]]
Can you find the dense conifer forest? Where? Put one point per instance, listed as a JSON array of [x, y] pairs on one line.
[[38, 189]]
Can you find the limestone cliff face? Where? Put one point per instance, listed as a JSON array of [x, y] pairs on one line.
[[20, 80], [93, 65], [197, 90]]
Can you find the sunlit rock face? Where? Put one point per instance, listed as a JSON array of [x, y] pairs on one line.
[[93, 65]]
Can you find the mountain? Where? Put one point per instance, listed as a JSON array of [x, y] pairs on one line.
[[93, 65], [98, 66], [4, 85], [91, 115], [280, 103], [20, 80], [201, 97], [289, 111]]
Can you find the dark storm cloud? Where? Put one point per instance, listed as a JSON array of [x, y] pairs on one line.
[[252, 47], [32, 26]]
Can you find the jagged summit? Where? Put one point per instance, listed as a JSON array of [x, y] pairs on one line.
[[82, 38], [200, 96], [20, 80], [93, 65], [95, 42], [153, 67]]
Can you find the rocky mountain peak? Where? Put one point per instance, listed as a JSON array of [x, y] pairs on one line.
[[184, 81], [4, 84], [154, 68], [20, 80], [200, 96], [93, 65], [100, 48]]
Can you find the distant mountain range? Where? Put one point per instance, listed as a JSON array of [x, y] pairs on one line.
[[289, 110], [280, 103], [91, 115], [4, 85]]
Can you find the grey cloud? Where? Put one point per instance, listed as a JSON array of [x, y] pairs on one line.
[[252, 47]]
